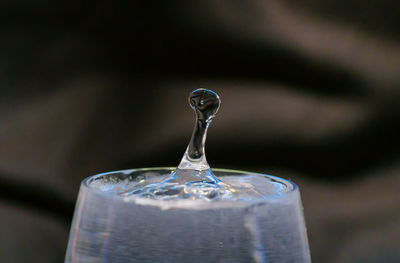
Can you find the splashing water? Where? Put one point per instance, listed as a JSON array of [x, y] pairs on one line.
[[193, 178]]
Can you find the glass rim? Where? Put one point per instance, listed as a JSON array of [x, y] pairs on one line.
[[291, 186]]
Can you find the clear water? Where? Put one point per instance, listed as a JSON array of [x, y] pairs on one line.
[[188, 214], [261, 222]]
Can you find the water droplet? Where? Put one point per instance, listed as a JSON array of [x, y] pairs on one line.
[[193, 177], [205, 104]]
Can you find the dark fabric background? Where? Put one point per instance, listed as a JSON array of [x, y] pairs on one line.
[[310, 92]]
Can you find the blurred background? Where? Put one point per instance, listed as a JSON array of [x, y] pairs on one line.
[[310, 92]]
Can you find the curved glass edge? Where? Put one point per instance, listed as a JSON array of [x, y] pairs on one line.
[[292, 186]]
